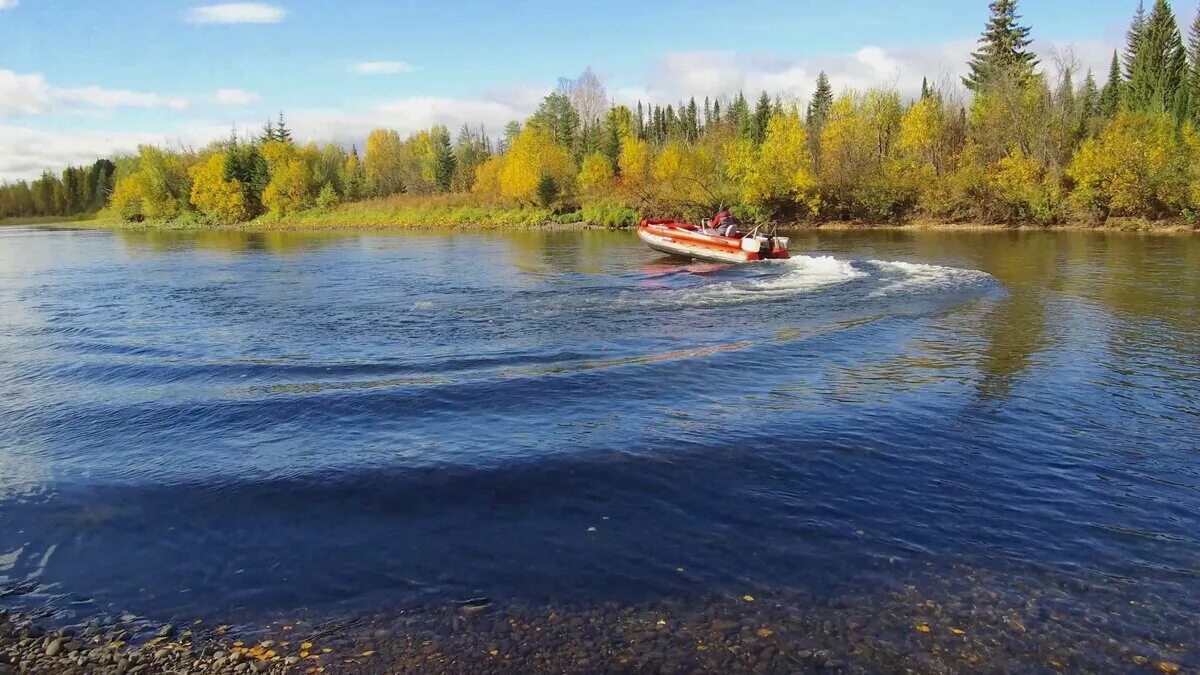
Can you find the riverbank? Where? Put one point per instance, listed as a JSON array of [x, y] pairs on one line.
[[387, 214], [975, 621]]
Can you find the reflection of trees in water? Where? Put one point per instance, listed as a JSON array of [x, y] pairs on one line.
[[551, 252], [229, 241]]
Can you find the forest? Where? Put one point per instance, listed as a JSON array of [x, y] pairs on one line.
[[1022, 139]]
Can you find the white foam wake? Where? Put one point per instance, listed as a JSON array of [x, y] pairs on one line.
[[905, 277]]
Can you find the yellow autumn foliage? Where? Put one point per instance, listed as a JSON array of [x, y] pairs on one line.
[[534, 155], [780, 170], [634, 162], [1137, 166], [290, 189], [220, 200], [487, 176], [596, 173]]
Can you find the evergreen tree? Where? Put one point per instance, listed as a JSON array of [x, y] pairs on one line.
[[1160, 65], [693, 120], [267, 133], [1194, 70], [716, 118], [1134, 37], [443, 158], [281, 131], [1110, 96], [641, 123], [926, 92], [822, 102], [762, 116], [739, 115], [1089, 103], [557, 116], [511, 131], [1003, 48], [707, 112]]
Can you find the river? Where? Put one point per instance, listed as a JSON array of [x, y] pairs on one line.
[[242, 426]]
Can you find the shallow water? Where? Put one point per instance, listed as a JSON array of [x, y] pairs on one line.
[[240, 426]]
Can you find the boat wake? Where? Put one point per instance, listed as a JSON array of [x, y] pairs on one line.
[[819, 278]]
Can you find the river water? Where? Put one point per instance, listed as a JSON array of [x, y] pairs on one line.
[[241, 425]]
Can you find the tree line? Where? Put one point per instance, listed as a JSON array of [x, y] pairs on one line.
[[79, 189], [1016, 141]]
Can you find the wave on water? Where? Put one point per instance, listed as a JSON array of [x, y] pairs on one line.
[[815, 277]]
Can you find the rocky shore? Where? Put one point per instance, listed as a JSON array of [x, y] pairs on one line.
[[966, 624]]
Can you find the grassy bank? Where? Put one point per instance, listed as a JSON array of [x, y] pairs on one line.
[[454, 211], [48, 220]]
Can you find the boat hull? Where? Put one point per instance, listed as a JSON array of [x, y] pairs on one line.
[[686, 241]]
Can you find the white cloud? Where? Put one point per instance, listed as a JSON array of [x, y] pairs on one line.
[[236, 97], [680, 75], [25, 152], [381, 68], [23, 94], [32, 95], [237, 12], [8, 4], [111, 99]]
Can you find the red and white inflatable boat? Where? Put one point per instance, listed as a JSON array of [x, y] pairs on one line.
[[718, 240]]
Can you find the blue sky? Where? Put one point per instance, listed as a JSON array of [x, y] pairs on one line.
[[80, 78]]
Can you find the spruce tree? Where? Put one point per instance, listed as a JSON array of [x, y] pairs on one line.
[[1160, 65], [443, 158], [925, 91], [716, 112], [1134, 37], [821, 104], [1003, 48], [1089, 103], [281, 131], [707, 111], [762, 116], [267, 134], [1194, 70], [692, 120], [1110, 96]]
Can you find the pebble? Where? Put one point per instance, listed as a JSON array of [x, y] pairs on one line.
[[54, 647]]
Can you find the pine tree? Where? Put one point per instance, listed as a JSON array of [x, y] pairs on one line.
[[1134, 37], [926, 92], [821, 104], [716, 118], [1003, 49], [281, 131], [707, 112], [1194, 70], [641, 123], [267, 133], [1160, 65], [1110, 96]]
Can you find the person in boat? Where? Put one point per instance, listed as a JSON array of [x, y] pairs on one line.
[[725, 224]]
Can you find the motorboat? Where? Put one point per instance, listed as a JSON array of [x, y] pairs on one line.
[[718, 240]]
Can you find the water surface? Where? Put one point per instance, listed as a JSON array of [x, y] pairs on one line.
[[239, 425]]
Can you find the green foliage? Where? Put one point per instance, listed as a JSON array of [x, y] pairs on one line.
[[609, 214], [327, 198], [1159, 67], [547, 190]]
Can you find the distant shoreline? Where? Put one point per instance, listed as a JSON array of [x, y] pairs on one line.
[[410, 221]]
